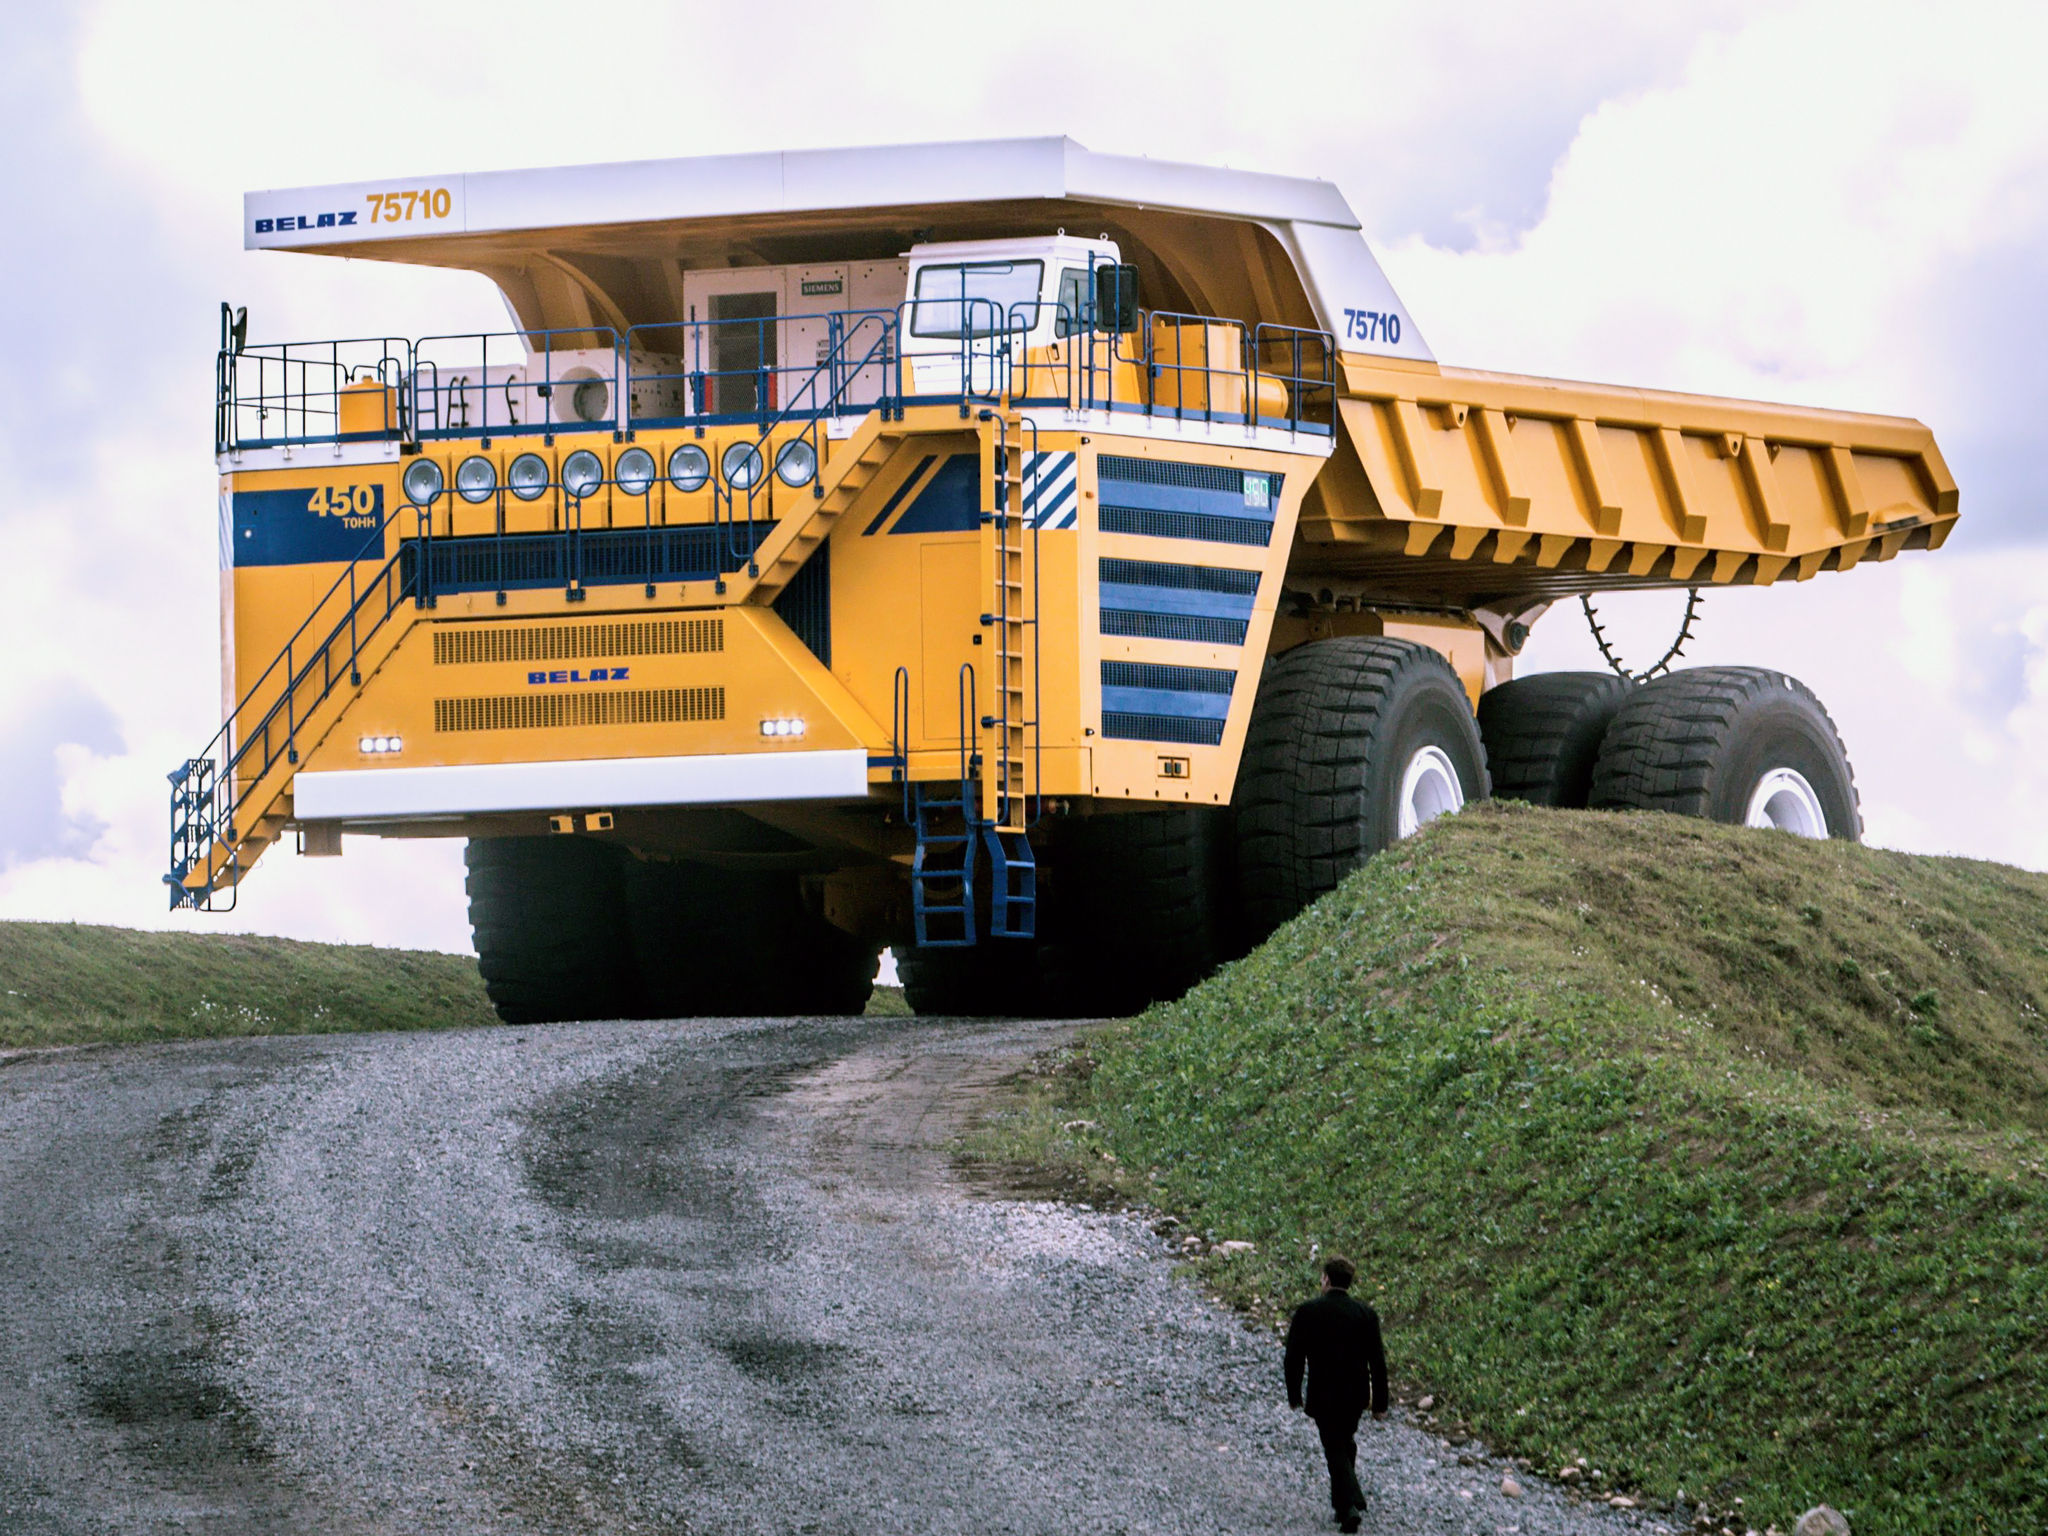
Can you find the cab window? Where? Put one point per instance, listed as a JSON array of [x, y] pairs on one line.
[[1073, 302], [978, 298]]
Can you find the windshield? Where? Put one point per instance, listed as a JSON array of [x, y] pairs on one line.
[[978, 298]]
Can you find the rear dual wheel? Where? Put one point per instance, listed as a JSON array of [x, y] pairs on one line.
[[1733, 744]]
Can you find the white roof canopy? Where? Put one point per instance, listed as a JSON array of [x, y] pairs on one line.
[[440, 219]]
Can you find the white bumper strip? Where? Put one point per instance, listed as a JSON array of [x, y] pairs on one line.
[[732, 779]]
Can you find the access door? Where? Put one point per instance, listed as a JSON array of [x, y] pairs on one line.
[[734, 356]]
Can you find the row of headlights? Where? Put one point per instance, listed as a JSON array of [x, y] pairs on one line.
[[689, 468]]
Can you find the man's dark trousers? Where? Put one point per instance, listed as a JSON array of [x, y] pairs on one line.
[[1340, 1450]]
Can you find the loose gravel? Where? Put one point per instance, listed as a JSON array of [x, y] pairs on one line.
[[709, 1278]]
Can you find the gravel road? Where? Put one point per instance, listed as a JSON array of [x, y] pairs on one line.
[[666, 1278]]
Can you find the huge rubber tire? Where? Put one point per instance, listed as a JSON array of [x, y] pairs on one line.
[[1707, 740], [549, 919], [1337, 730], [996, 978], [719, 943], [1542, 734], [1132, 909]]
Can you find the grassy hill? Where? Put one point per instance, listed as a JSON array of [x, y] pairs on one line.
[[66, 983], [1716, 1157]]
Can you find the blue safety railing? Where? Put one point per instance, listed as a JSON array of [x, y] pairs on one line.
[[714, 372]]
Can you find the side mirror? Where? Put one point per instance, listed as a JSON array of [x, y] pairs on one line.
[[1116, 298]]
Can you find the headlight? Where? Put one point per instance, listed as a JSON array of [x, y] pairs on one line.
[[528, 476], [796, 463], [741, 466], [476, 477], [689, 467], [635, 471], [581, 473], [422, 482]]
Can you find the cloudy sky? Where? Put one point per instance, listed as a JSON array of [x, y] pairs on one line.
[[1834, 204]]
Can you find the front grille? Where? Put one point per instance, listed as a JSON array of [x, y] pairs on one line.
[[548, 711], [470, 643]]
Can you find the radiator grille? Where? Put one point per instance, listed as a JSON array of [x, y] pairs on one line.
[[1204, 477], [1174, 626], [547, 711], [1185, 525], [1173, 728], [1187, 578], [1145, 674], [460, 645]]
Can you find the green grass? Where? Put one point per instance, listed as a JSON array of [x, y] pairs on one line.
[[887, 1003], [1716, 1157], [70, 984]]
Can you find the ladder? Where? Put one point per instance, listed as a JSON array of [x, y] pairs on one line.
[[1010, 568]]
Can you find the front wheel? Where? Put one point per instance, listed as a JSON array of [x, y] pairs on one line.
[[1354, 744], [1733, 744]]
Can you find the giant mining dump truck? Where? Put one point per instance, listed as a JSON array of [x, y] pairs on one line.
[[1060, 567]]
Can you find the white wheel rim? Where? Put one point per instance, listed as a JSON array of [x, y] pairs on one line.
[[1785, 801], [1429, 789]]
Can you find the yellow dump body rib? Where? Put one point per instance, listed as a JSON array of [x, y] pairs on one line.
[[1465, 486]]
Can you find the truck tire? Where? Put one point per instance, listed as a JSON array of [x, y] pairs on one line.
[[1542, 734], [1131, 912], [549, 918], [1354, 742], [1733, 744], [720, 943], [997, 978]]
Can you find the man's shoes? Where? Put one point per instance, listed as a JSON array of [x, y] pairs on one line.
[[1349, 1522]]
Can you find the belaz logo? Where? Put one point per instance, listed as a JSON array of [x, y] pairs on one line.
[[575, 675], [303, 221]]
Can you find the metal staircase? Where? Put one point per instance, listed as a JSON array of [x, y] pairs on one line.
[[794, 538], [232, 801]]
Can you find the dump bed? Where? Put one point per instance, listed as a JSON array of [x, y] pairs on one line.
[[1476, 488]]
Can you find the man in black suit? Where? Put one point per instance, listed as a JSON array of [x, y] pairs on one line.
[[1338, 1337]]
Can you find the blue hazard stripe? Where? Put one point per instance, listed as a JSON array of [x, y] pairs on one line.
[[1183, 498], [1133, 599], [950, 503], [1166, 701], [896, 497]]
